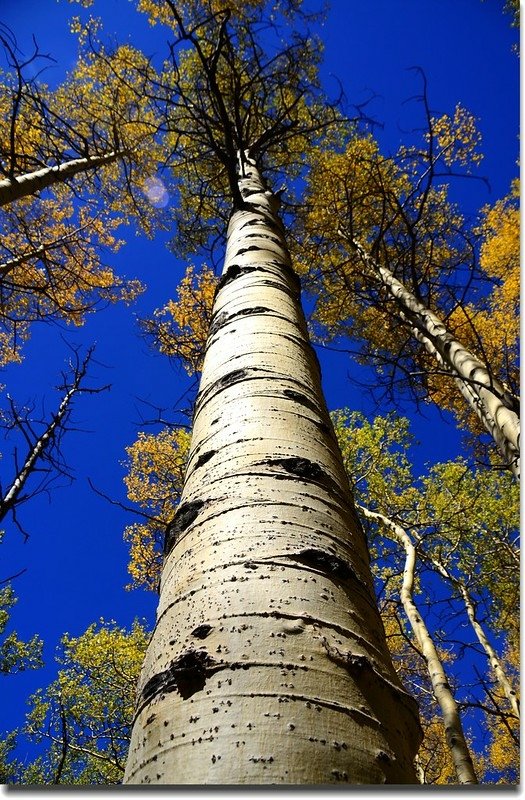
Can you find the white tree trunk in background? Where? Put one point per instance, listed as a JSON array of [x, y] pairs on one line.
[[483, 392], [442, 692], [33, 182], [268, 663], [495, 664]]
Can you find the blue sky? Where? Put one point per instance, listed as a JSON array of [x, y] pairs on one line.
[[75, 557]]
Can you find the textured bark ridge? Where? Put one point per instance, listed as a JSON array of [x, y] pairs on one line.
[[32, 182], [268, 663]]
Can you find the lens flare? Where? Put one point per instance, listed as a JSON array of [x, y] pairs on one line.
[[156, 192]]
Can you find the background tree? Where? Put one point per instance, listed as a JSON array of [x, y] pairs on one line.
[[394, 265], [82, 720], [15, 654], [458, 517]]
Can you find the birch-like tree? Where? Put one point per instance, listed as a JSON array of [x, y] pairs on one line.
[[462, 524], [80, 723], [268, 662], [87, 127], [399, 271]]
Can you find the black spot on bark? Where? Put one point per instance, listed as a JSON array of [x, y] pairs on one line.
[[300, 398], [217, 323], [250, 222], [184, 516], [282, 287], [328, 563], [202, 631], [233, 271], [250, 373], [324, 428], [263, 235], [252, 247], [291, 274], [358, 663], [302, 467], [204, 457], [186, 675], [231, 378], [245, 312]]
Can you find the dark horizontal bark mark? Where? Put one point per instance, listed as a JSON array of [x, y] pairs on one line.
[[186, 675], [202, 631], [302, 467], [236, 270], [377, 689], [249, 249], [235, 376], [328, 563], [297, 397], [204, 458], [223, 318], [263, 235], [185, 515], [263, 221], [233, 271]]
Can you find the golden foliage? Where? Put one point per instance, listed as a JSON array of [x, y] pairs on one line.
[[194, 11], [82, 720], [412, 228], [458, 138], [156, 468], [180, 328], [51, 266], [490, 328]]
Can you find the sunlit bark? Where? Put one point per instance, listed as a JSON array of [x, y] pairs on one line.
[[487, 397], [268, 663], [33, 182], [494, 661], [438, 678]]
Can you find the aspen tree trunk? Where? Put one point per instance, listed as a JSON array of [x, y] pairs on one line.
[[495, 664], [442, 692], [37, 448], [268, 663], [32, 182], [487, 397]]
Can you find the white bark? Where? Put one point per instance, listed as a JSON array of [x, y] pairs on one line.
[[486, 396], [38, 447], [442, 692], [268, 662], [33, 182], [495, 664]]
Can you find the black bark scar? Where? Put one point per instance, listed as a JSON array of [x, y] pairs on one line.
[[186, 675], [204, 458], [300, 398], [331, 565], [184, 516], [202, 631], [302, 467]]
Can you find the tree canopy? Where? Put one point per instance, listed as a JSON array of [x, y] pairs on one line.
[[409, 271]]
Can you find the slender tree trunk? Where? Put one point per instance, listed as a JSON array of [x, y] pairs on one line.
[[33, 182], [37, 448], [268, 662], [495, 663], [440, 685], [487, 396]]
